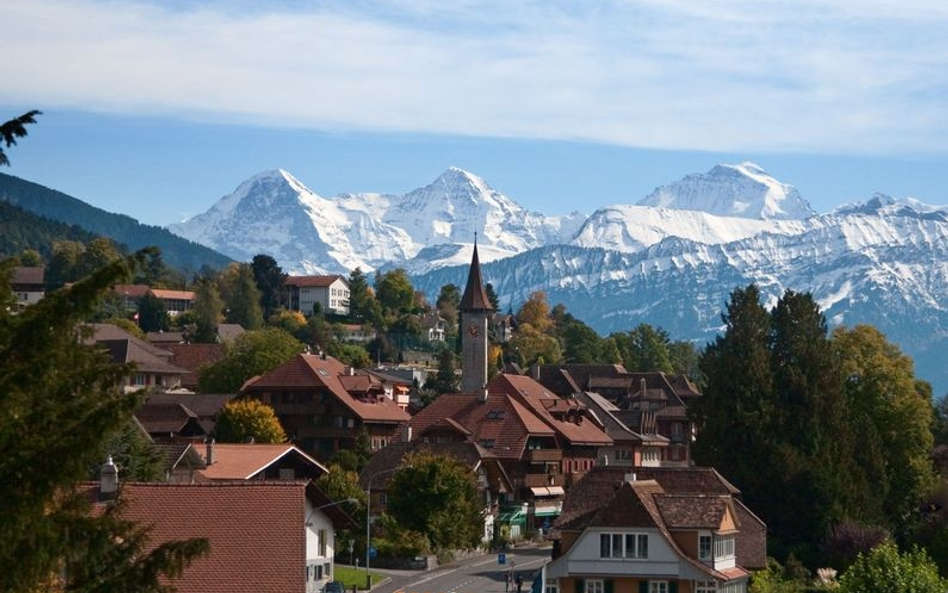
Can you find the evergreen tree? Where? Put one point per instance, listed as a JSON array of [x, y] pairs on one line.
[[492, 296], [269, 278], [207, 312], [61, 404], [13, 129], [152, 314]]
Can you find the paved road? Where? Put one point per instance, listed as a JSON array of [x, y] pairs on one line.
[[479, 574]]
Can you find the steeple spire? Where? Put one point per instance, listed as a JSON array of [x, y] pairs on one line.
[[475, 297]]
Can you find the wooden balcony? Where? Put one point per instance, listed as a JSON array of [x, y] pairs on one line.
[[544, 455]]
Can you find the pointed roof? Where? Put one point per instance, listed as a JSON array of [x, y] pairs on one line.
[[475, 297]]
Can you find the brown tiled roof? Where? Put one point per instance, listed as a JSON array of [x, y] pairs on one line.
[[255, 530], [165, 418], [194, 357], [500, 420], [323, 372], [28, 275], [205, 405], [132, 351], [242, 461], [107, 331], [541, 402], [174, 454], [475, 297], [165, 338], [313, 281], [693, 511]]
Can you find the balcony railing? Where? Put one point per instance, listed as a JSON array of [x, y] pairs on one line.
[[543, 455]]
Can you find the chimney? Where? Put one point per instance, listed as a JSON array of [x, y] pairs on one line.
[[482, 395], [209, 452], [108, 479]]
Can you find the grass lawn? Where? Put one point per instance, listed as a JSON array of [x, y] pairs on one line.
[[352, 576]]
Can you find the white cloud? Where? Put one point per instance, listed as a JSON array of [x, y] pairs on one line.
[[808, 75]]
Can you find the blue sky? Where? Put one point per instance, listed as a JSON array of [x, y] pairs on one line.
[[157, 109]]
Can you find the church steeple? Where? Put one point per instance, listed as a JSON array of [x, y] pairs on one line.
[[475, 297], [475, 309]]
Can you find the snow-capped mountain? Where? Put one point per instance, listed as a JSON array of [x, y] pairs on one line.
[[274, 213], [743, 190], [884, 264], [671, 264]]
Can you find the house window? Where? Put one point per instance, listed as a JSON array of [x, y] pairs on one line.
[[595, 586], [623, 455], [623, 545], [287, 474], [704, 547], [321, 534], [551, 586], [139, 379], [706, 587], [658, 587], [724, 547]]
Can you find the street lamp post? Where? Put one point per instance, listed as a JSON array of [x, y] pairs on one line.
[[368, 519]]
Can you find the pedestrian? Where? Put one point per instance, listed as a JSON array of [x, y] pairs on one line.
[[507, 581], [519, 583]]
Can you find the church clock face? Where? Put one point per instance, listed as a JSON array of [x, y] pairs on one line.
[[473, 331]]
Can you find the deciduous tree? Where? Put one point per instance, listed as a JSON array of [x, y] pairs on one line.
[[251, 353], [243, 420]]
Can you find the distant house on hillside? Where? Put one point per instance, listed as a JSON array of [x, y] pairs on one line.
[[153, 366], [28, 285], [175, 301], [305, 292]]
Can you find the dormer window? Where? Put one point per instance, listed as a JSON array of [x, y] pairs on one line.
[[723, 547], [704, 547]]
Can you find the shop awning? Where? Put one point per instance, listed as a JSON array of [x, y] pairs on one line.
[[510, 516]]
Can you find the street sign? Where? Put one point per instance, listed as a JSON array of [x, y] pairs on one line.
[[373, 552], [501, 558]]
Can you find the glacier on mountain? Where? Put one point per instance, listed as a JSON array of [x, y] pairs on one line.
[[671, 260]]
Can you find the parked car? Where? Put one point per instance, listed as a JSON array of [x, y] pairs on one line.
[[334, 587]]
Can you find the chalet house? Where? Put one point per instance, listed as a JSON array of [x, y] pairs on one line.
[[492, 482], [351, 332], [193, 358], [303, 293], [204, 407], [153, 368], [323, 405], [264, 536], [258, 461], [681, 530], [434, 326], [632, 448], [663, 399], [170, 422], [541, 441], [28, 285], [175, 301], [648, 403]]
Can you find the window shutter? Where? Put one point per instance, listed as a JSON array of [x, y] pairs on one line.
[[607, 585], [580, 585], [673, 587], [643, 586]]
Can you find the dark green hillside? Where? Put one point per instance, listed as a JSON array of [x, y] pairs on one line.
[[21, 230], [177, 252]]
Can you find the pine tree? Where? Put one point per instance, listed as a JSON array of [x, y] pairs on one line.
[[61, 403]]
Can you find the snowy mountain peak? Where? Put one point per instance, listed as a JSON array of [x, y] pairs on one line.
[[744, 190]]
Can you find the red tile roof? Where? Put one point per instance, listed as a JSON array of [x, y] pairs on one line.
[[255, 530], [323, 372], [242, 461], [312, 281]]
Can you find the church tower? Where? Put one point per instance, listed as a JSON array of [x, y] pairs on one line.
[[475, 310]]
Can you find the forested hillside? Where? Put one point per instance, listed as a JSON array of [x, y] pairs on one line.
[[57, 206], [21, 230]]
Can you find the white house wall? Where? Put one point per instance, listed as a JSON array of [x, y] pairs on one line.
[[318, 521], [583, 557]]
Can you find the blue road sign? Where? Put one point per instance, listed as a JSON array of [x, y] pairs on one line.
[[501, 558]]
